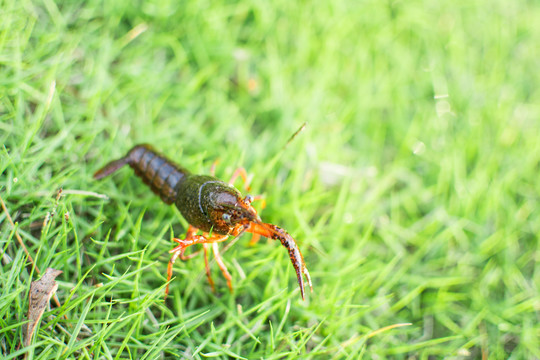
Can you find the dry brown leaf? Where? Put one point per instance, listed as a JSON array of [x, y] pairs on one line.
[[41, 292]]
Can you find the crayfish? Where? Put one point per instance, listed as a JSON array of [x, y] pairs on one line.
[[214, 207]]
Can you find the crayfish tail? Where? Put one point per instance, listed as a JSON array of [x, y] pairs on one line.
[[110, 168]]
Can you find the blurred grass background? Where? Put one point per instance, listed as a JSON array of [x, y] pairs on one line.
[[412, 193]]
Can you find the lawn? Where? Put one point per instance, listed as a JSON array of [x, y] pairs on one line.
[[413, 191]]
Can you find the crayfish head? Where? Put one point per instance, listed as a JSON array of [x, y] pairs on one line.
[[230, 211]]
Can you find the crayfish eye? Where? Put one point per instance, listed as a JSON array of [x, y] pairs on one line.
[[226, 217]]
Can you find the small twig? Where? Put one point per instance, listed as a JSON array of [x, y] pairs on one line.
[[75, 192], [86, 193], [21, 243], [295, 134]]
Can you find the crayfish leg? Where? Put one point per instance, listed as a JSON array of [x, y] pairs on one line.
[[222, 266], [192, 239], [243, 174], [190, 233], [254, 239], [170, 272], [207, 268]]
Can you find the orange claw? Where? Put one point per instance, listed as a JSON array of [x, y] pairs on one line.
[[276, 233]]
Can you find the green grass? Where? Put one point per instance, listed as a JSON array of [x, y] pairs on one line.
[[413, 192]]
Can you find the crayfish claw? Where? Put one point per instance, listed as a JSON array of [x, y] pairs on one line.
[[276, 233], [308, 278], [301, 284], [295, 255]]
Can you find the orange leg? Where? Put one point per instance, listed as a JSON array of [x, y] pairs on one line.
[[261, 199], [254, 239], [169, 271], [222, 265], [191, 239], [191, 231], [213, 167], [207, 267], [243, 174]]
